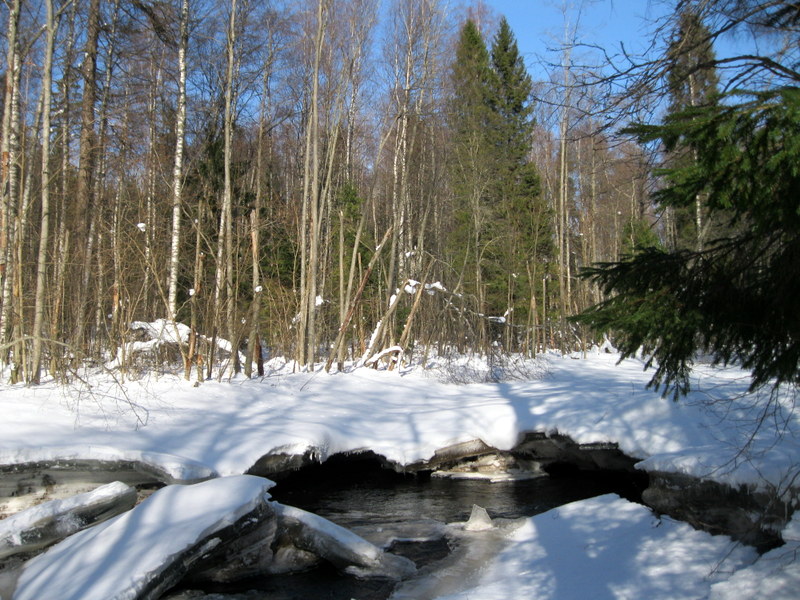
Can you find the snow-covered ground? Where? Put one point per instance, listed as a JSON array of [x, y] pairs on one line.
[[608, 544], [606, 548]]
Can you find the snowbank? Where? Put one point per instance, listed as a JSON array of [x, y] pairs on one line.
[[45, 523], [340, 546], [606, 548], [775, 576], [406, 416]]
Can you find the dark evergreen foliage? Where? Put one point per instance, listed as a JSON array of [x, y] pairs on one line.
[[511, 98], [692, 78], [501, 223], [471, 76], [738, 299]]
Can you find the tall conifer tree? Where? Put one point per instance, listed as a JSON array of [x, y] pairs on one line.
[[501, 225], [510, 102], [520, 220], [472, 155]]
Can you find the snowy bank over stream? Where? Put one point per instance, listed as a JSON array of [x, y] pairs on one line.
[[225, 427]]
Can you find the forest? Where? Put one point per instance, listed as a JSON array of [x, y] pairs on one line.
[[338, 180]]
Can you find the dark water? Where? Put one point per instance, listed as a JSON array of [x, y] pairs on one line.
[[444, 500], [380, 506], [356, 491]]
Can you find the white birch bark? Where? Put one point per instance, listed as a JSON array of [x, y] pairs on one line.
[[9, 149], [177, 167]]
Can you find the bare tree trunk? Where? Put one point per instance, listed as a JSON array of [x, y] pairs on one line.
[[62, 242], [99, 183], [564, 271], [192, 355], [8, 167], [83, 197], [225, 241], [309, 226], [44, 232], [116, 253], [253, 341], [9, 148], [22, 369], [177, 167], [150, 183]]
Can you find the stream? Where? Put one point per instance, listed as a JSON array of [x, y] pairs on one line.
[[407, 515]]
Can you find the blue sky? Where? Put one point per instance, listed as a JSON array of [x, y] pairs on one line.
[[539, 27], [539, 24]]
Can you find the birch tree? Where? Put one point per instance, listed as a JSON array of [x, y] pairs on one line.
[[9, 170], [177, 165]]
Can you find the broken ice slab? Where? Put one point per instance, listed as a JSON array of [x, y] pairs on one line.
[[316, 535], [50, 522]]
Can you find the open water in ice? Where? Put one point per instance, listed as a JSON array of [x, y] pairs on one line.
[[408, 516]]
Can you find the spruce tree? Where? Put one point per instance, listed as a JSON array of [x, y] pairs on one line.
[[471, 77], [510, 99], [471, 161], [737, 299], [519, 220], [500, 221]]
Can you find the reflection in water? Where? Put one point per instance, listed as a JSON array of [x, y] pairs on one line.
[[444, 500]]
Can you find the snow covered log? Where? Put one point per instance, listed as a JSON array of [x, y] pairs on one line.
[[144, 552], [50, 522]]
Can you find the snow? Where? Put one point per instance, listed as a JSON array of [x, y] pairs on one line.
[[606, 548], [345, 537], [431, 288], [404, 415], [113, 560], [160, 332], [774, 577], [385, 352], [163, 330], [341, 546], [407, 414], [411, 286]]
